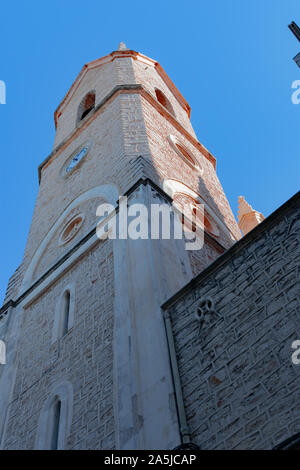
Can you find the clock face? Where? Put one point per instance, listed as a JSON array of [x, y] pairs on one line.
[[75, 160]]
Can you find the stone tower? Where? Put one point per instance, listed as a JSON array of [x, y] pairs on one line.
[[87, 357]]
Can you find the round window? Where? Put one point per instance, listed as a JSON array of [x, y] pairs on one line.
[[71, 229], [184, 153]]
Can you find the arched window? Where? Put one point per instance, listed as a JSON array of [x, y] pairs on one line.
[[162, 99], [64, 314], [54, 423], [56, 417], [86, 105]]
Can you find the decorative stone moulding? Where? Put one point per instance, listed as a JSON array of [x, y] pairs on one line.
[[205, 311], [71, 229], [75, 159], [185, 154]]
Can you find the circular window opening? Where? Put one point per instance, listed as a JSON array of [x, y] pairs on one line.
[[71, 229], [184, 153]]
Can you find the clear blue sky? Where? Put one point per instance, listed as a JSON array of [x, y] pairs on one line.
[[232, 60]]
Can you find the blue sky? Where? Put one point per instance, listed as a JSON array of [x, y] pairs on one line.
[[232, 61]]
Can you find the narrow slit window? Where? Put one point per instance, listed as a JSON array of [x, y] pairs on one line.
[[55, 424], [65, 313], [55, 418]]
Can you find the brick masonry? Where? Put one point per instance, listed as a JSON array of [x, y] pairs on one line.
[[240, 388]]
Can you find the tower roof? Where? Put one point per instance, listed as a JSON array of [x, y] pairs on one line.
[[122, 51]]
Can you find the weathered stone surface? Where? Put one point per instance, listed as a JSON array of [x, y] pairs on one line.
[[240, 387]]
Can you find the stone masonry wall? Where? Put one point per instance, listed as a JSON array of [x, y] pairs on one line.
[[83, 356], [240, 387]]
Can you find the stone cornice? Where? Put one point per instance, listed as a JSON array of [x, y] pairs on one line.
[[14, 303], [110, 58], [142, 181], [119, 89], [83, 124]]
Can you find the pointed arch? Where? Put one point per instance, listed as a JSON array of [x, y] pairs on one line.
[[55, 418]]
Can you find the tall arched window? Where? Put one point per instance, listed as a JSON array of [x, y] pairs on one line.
[[54, 423], [56, 418], [64, 314], [86, 106], [162, 99]]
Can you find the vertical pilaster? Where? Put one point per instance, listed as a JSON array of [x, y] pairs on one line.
[[147, 272]]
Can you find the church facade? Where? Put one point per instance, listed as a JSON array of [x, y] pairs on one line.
[[140, 343]]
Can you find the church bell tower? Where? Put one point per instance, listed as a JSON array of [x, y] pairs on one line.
[[87, 358]]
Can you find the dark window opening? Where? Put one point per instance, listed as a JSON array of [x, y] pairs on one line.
[[86, 112], [56, 411], [163, 100], [87, 105], [65, 312]]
